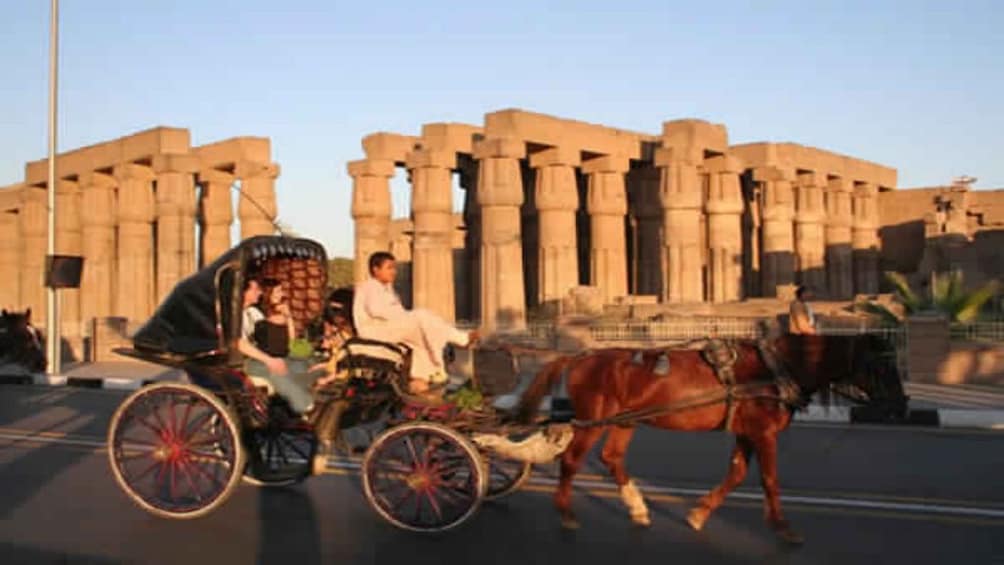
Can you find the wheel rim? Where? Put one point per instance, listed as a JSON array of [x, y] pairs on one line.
[[281, 455], [423, 479], [505, 475], [171, 452]]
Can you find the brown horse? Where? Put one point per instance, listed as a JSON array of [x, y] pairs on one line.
[[20, 342], [681, 390]]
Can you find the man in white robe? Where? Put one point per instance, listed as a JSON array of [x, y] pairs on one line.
[[379, 315]]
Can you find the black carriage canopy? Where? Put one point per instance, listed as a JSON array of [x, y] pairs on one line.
[[186, 322]]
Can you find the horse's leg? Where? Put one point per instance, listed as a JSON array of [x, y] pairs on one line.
[[766, 455], [571, 460], [699, 514], [613, 454]]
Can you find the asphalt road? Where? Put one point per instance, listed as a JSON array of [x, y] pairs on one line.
[[858, 495]]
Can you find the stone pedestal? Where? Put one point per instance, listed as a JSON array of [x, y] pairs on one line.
[[217, 214], [33, 219], [432, 242], [810, 234], [864, 238], [839, 258], [777, 262], [10, 260], [69, 242], [135, 212], [371, 208], [557, 199], [256, 206], [176, 206], [648, 221], [98, 228], [681, 200], [724, 208], [607, 204], [928, 347], [500, 195]]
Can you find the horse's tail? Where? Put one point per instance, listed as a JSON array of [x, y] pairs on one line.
[[541, 384]]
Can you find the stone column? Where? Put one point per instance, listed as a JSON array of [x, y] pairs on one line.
[[864, 238], [371, 208], [724, 208], [432, 242], [256, 206], [176, 206], [97, 284], [217, 214], [777, 263], [33, 219], [606, 203], [10, 260], [68, 242], [648, 214], [471, 288], [135, 212], [681, 199], [500, 195], [839, 260], [810, 232], [557, 198]]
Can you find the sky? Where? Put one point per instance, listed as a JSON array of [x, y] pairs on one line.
[[916, 85]]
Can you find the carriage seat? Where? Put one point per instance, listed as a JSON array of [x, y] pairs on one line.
[[361, 353], [259, 382]]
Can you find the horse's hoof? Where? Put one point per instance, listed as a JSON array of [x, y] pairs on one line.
[[569, 523], [641, 521], [790, 536], [697, 517]]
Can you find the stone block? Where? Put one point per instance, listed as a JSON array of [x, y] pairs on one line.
[[695, 133], [606, 164], [431, 158], [500, 147], [388, 146], [371, 168], [175, 162], [668, 156], [456, 138], [584, 300], [556, 156]]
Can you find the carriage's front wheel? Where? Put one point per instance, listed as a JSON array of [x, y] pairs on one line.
[[505, 476], [175, 449], [424, 477]]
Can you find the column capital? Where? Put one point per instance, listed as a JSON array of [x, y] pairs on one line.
[[255, 169], [215, 176], [838, 184], [669, 156], [130, 171], [812, 178], [773, 174], [371, 168], [64, 186], [175, 163], [431, 158], [555, 156], [865, 189], [499, 147], [606, 164], [723, 164], [97, 180]]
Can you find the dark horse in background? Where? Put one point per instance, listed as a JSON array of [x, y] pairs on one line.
[[20, 342], [683, 390]]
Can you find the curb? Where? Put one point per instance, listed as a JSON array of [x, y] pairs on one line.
[[813, 414]]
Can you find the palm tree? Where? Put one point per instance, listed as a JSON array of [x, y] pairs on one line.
[[947, 297]]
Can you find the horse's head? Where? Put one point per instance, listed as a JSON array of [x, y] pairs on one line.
[[873, 377], [20, 342], [862, 367]]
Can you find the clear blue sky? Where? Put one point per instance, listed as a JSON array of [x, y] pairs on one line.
[[915, 85]]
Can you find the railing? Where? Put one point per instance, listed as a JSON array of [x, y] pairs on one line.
[[979, 331]]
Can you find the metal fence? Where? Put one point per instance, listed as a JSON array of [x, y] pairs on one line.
[[992, 331]]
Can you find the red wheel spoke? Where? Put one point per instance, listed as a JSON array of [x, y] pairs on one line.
[[411, 450], [142, 442], [203, 457], [213, 440], [172, 487], [211, 478], [184, 464], [183, 425], [198, 428], [146, 472], [434, 504], [173, 418]]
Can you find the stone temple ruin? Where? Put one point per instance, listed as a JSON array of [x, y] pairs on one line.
[[552, 204], [143, 210]]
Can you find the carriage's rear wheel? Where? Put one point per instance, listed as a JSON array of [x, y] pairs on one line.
[[279, 454], [505, 476], [424, 477], [175, 450]]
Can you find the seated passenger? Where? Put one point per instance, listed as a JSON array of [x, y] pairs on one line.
[[378, 315], [337, 331], [294, 386]]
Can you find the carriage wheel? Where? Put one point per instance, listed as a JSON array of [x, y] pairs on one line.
[[175, 450], [505, 476], [279, 455], [424, 477]]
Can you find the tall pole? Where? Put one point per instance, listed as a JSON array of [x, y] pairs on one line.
[[52, 299]]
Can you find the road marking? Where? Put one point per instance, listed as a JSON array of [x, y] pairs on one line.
[[594, 484]]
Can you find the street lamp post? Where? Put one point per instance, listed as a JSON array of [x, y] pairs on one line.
[[52, 298]]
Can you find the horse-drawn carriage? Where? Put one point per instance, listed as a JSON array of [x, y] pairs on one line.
[[180, 449]]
